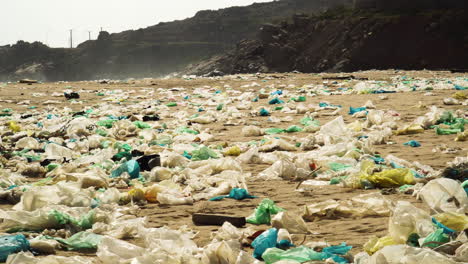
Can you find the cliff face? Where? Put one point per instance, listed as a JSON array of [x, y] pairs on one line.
[[346, 40], [153, 51]]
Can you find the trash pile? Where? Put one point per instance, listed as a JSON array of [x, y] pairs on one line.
[[77, 180]]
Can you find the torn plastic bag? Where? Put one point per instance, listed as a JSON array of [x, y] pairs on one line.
[[375, 244], [251, 131], [291, 222], [444, 195]]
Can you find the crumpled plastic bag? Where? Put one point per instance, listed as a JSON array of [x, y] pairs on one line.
[[291, 222], [281, 169], [131, 167], [444, 195], [81, 240], [406, 219], [236, 193], [264, 241], [263, 212], [251, 131], [204, 153], [375, 244]]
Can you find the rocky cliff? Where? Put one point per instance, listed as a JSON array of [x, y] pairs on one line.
[[351, 40]]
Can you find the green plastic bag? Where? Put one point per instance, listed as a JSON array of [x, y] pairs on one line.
[[141, 125], [263, 212], [106, 123], [447, 131], [335, 166], [85, 222], [171, 104], [203, 153], [293, 129], [300, 254], [274, 130], [436, 239], [182, 130], [81, 240], [122, 147], [307, 121]]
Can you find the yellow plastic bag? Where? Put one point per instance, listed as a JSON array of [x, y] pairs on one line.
[[411, 129], [392, 178], [375, 244], [455, 221], [14, 126], [151, 193], [233, 151], [460, 95]]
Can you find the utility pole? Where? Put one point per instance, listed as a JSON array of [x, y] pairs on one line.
[[71, 38], [89, 34]]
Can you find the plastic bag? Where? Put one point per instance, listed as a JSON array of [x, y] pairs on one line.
[[236, 193], [264, 241], [406, 220], [406, 254], [436, 239], [444, 195], [131, 167], [263, 212], [81, 240], [204, 153], [390, 178], [12, 244], [410, 129], [115, 251], [283, 169], [297, 255], [412, 143], [291, 222], [251, 131], [455, 221], [233, 151], [375, 244]]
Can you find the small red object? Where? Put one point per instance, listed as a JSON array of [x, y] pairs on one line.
[[312, 166]]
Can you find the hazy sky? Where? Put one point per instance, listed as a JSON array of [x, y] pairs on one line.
[[49, 21]]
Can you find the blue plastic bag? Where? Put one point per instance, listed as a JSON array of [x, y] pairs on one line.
[[12, 244], [353, 110], [131, 167], [275, 101], [264, 241], [412, 143], [264, 112], [236, 193]]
